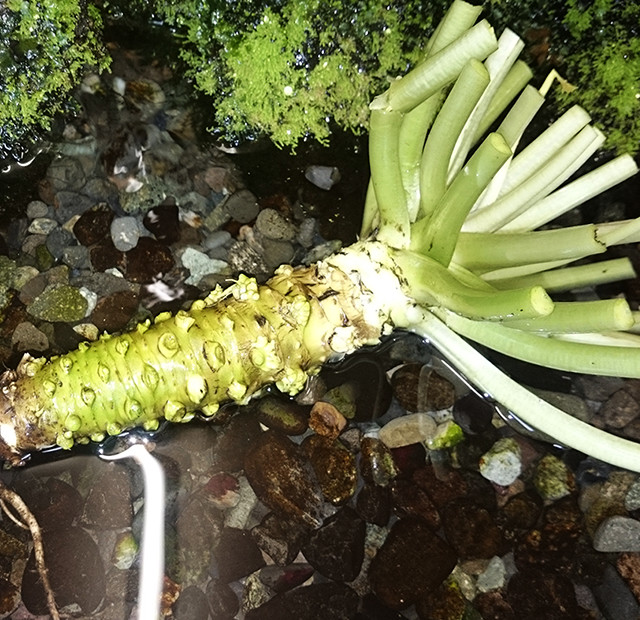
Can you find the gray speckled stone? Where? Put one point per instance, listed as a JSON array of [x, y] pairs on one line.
[[199, 265], [502, 464], [272, 225], [125, 233], [617, 534]]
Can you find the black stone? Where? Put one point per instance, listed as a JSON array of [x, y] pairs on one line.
[[237, 555], [337, 549]]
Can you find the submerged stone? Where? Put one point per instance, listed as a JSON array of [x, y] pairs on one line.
[[237, 555], [283, 478], [337, 549], [334, 466], [59, 302], [412, 561], [75, 570]]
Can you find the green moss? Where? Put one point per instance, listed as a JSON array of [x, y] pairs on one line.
[[291, 70], [595, 45], [45, 45]]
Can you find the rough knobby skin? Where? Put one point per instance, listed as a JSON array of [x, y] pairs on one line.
[[228, 347]]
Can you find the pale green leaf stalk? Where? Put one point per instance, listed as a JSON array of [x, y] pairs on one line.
[[412, 269]]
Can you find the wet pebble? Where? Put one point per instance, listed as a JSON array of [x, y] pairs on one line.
[[376, 462], [108, 504], [326, 419], [192, 604], [59, 302], [336, 550], [283, 478], [410, 500], [27, 337], [75, 570], [200, 265], [242, 206], [94, 224], [617, 533], [408, 429], [280, 538], [272, 225], [502, 464], [324, 177], [471, 530], [42, 226], [284, 578], [148, 261], [113, 312], [125, 233], [334, 467], [237, 555], [162, 221], [553, 479], [198, 529], [373, 504], [473, 413], [620, 409], [223, 602], [411, 562], [282, 415]]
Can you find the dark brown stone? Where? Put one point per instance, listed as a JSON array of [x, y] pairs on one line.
[[336, 550], [104, 255], [112, 313], [404, 383], [412, 561], [536, 594], [148, 261], [374, 504], [223, 602], [281, 539], [163, 222], [493, 606], [237, 555], [108, 505], [334, 466], [283, 478], [443, 487], [75, 570], [411, 500], [519, 515], [471, 530], [94, 225], [376, 462]]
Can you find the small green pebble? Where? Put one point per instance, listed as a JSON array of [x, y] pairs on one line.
[[447, 435], [552, 478]]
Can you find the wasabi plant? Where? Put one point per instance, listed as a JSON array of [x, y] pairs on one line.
[[448, 249]]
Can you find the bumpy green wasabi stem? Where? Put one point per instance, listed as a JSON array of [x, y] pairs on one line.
[[226, 348]]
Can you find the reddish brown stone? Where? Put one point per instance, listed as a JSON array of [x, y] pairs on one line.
[[148, 261], [412, 561], [628, 565]]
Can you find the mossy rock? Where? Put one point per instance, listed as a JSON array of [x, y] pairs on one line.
[[59, 302]]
